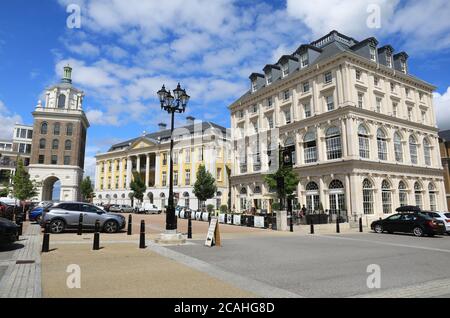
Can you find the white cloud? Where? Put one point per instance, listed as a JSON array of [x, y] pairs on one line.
[[7, 120], [442, 109], [83, 49]]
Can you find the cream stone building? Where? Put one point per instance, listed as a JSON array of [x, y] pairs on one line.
[[196, 143], [357, 127]]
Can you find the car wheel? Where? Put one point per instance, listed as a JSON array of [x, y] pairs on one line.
[[110, 227], [57, 226], [378, 229], [418, 231]]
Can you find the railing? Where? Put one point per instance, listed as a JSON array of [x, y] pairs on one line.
[[310, 154]]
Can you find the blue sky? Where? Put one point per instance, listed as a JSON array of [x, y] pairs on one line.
[[125, 50]]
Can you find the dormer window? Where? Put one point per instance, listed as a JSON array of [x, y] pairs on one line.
[[254, 86], [269, 78], [285, 69], [403, 66], [388, 59], [373, 54], [304, 60]]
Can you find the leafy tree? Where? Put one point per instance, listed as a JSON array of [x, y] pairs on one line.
[[5, 192], [205, 187], [138, 186], [23, 187], [290, 178], [87, 191]]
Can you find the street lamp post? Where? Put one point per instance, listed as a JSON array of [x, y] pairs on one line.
[[172, 104]]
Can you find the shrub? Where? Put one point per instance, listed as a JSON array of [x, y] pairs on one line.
[[276, 206], [223, 208], [210, 208]]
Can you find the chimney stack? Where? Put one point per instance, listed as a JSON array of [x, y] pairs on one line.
[[162, 126], [190, 120]]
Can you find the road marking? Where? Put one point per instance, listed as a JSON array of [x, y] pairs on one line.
[[385, 243], [434, 288], [256, 287]]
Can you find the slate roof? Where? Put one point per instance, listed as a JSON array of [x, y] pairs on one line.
[[159, 136]]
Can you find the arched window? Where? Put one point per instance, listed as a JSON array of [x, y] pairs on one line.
[[42, 143], [62, 101], [432, 196], [336, 197], [333, 142], [382, 144], [69, 129], [398, 148], [413, 149], [150, 197], [364, 146], [386, 197], [310, 147], [312, 197], [418, 194], [57, 129], [68, 145], [289, 142], [55, 144], [402, 194], [427, 152], [44, 128], [367, 197], [243, 191], [257, 190]]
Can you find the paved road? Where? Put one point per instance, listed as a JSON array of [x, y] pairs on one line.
[[336, 265]]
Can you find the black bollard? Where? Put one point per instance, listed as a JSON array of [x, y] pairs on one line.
[[189, 229], [311, 223], [360, 225], [96, 245], [291, 225], [19, 222], [46, 240], [142, 237], [338, 230], [130, 224], [80, 225]]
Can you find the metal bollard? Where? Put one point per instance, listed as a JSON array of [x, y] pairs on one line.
[[130, 224], [80, 225], [338, 230], [291, 225], [96, 245], [189, 229], [46, 239], [142, 237], [19, 222], [360, 225], [311, 224]]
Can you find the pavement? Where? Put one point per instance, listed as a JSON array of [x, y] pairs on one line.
[[251, 263]]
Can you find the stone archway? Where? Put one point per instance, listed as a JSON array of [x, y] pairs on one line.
[[48, 189]]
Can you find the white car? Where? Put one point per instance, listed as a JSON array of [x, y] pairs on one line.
[[442, 216], [149, 208]]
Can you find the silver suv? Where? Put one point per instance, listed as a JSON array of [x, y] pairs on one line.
[[66, 215]]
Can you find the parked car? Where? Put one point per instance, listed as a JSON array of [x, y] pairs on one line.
[[149, 208], [441, 216], [413, 221], [9, 231], [35, 215], [122, 208], [66, 215]]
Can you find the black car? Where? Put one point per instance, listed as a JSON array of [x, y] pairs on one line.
[[9, 231], [409, 222]]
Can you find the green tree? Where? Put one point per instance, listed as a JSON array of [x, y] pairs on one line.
[[87, 191], [138, 186], [23, 188], [290, 178], [205, 187], [5, 191]]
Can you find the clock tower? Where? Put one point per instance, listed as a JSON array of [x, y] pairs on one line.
[[59, 141]]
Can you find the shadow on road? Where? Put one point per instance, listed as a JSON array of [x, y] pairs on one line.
[[10, 247]]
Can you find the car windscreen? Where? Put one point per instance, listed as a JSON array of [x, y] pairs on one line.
[[425, 216], [447, 215]]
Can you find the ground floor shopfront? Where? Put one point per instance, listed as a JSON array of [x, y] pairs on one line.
[[350, 189], [184, 196]]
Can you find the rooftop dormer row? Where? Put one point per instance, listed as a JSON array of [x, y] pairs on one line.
[[326, 47]]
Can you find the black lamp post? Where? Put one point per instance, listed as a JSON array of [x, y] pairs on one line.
[[172, 104]]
